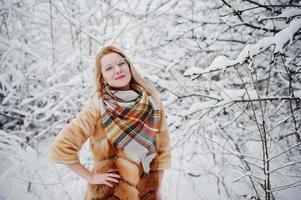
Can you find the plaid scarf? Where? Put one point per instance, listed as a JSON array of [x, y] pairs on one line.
[[131, 121]]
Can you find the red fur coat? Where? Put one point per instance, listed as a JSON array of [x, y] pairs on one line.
[[134, 183]]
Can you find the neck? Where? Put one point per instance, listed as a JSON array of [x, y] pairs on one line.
[[124, 88]]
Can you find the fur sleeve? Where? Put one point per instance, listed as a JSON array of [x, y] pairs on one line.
[[71, 138], [163, 147]]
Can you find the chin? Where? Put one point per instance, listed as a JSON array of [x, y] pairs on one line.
[[120, 86]]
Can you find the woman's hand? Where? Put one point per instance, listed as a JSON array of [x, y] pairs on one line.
[[104, 178], [158, 194], [158, 191]]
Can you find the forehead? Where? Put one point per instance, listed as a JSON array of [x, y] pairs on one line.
[[110, 58]]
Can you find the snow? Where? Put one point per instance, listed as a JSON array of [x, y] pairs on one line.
[[197, 106], [281, 38], [220, 61], [215, 120], [251, 50], [285, 14], [290, 13], [276, 25], [192, 71]]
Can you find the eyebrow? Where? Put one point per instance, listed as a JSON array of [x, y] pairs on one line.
[[107, 65], [122, 59]]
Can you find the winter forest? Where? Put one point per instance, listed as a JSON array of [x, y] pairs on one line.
[[228, 71]]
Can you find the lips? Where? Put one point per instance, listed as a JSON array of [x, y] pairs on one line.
[[119, 77]]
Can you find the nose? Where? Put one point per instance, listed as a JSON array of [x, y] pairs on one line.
[[117, 69]]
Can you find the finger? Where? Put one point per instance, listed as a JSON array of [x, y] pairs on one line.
[[108, 184], [112, 180], [113, 170], [113, 175]]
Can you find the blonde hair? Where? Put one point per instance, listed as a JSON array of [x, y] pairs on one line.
[[136, 77]]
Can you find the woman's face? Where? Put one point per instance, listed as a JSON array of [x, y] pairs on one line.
[[115, 71]]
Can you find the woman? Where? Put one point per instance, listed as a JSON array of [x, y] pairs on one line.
[[126, 125]]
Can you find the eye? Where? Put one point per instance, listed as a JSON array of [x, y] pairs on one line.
[[121, 63], [108, 67]]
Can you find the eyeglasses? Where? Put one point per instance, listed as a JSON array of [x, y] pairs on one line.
[[120, 63]]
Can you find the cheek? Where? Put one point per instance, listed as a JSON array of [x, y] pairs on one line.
[[128, 70], [106, 77]]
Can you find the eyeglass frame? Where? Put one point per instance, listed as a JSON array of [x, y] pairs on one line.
[[116, 63]]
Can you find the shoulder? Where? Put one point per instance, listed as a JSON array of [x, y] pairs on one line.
[[97, 103], [90, 107]]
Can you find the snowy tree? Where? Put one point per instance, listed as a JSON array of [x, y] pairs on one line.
[[228, 71]]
